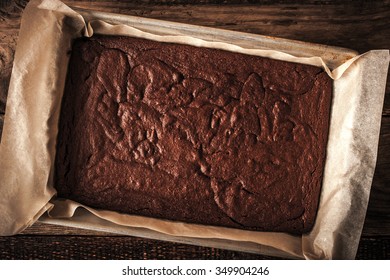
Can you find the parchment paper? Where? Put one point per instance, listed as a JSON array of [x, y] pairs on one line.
[[27, 150]]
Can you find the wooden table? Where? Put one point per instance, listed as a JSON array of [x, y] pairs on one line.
[[357, 25]]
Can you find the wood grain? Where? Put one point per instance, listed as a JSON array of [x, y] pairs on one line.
[[108, 247], [358, 25], [83, 244]]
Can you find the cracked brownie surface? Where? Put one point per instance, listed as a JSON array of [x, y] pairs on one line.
[[193, 134]]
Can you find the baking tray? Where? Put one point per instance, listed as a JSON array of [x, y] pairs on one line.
[[333, 57]]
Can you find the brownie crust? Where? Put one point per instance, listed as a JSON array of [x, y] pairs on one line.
[[193, 134]]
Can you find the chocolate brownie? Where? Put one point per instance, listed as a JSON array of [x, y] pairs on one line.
[[193, 134]]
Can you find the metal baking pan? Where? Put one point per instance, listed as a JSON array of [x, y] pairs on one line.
[[333, 57]]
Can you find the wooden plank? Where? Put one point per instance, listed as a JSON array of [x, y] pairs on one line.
[[123, 247], [40, 228], [107, 247]]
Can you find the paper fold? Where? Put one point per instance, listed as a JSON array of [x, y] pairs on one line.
[[27, 150]]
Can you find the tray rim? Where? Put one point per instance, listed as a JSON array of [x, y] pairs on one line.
[[332, 55]]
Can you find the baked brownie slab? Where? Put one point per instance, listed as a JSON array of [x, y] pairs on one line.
[[193, 134]]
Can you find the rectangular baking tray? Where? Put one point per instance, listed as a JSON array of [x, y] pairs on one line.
[[332, 56]]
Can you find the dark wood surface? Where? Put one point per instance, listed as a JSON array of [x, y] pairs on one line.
[[358, 25]]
